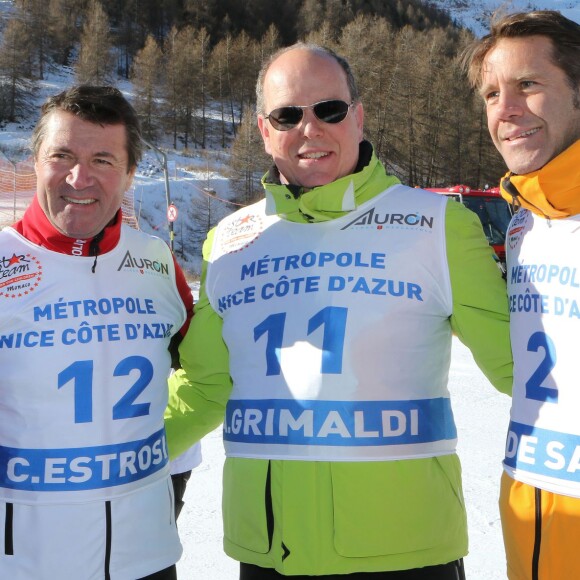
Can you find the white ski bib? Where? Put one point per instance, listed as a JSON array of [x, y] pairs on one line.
[[84, 369], [543, 442], [338, 332]]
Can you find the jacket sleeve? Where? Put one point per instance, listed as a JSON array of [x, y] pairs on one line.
[[480, 316], [187, 298], [198, 392], [185, 293]]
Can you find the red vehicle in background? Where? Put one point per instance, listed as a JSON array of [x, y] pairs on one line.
[[493, 211]]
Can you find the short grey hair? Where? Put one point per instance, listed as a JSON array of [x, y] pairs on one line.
[[311, 47]]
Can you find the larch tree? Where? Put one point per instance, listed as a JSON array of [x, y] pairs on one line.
[[178, 88], [95, 63], [14, 82], [311, 16], [269, 43], [62, 29], [35, 19], [244, 64], [200, 81], [248, 160], [146, 75], [363, 42], [218, 85], [223, 61], [324, 35], [201, 14]]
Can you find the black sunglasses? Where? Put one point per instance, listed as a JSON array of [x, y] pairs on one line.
[[286, 118]]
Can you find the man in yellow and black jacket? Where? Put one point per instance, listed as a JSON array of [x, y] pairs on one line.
[[528, 73]]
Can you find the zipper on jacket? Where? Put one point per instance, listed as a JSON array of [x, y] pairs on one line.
[[516, 196], [537, 535], [170, 492], [269, 510], [9, 530], [108, 534], [94, 249]]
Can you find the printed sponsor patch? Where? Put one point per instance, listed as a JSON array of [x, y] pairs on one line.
[[143, 265], [241, 232], [516, 228], [375, 220], [20, 274]]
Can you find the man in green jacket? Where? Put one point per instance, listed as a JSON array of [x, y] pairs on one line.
[[325, 321]]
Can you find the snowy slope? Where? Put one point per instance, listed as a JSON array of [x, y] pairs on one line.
[[475, 14]]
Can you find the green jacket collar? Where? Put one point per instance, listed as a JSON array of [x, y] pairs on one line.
[[330, 201]]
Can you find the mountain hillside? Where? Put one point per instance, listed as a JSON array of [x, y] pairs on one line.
[[199, 183], [475, 14]]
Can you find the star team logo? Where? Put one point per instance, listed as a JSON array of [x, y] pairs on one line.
[[516, 228], [20, 274], [240, 232]]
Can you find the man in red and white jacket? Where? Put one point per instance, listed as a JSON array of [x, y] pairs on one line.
[[90, 310]]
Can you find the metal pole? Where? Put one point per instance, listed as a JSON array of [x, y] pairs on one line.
[[168, 200]]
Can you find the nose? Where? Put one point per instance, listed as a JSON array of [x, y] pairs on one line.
[[509, 105], [79, 176], [311, 126]]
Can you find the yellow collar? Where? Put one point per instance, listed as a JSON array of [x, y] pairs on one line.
[[553, 191]]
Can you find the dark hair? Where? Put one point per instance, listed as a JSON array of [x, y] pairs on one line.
[[564, 34], [315, 48], [95, 104]]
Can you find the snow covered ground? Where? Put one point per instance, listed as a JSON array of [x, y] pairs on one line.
[[475, 14], [481, 414]]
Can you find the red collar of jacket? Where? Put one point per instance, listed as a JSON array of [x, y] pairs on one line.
[[37, 228]]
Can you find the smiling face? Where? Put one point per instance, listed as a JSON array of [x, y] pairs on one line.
[[81, 174], [313, 153], [532, 111]]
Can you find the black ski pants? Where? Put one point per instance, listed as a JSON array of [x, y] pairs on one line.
[[167, 574], [451, 571]]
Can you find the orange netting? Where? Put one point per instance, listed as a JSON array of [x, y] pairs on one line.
[[17, 188]]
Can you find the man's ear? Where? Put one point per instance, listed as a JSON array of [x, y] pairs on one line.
[[264, 127]]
